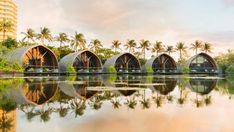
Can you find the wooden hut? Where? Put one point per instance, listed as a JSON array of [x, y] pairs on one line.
[[35, 59], [161, 64], [123, 63], [83, 62], [202, 63]]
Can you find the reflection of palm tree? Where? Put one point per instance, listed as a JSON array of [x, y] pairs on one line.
[[170, 98], [95, 102], [116, 103], [30, 114], [45, 114], [79, 106], [145, 102], [182, 84], [207, 100], [158, 100], [199, 103], [131, 103], [63, 111]]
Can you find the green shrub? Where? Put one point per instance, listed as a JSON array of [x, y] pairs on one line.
[[70, 70], [185, 70], [111, 69], [149, 70], [230, 69]]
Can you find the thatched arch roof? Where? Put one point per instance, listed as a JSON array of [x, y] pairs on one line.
[[206, 56], [112, 61], [153, 60], [17, 56], [69, 60]]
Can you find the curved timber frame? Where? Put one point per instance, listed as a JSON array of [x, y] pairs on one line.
[[202, 63], [161, 64], [123, 63], [83, 62], [37, 58]]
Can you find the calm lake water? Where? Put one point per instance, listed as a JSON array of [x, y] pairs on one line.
[[125, 103]]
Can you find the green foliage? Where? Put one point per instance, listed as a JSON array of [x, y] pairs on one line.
[[70, 70], [60, 52], [111, 69], [230, 69], [185, 70], [10, 43], [142, 61], [9, 67], [105, 53], [149, 70], [225, 60]]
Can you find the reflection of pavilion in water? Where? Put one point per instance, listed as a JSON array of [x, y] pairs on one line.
[[168, 85], [79, 86], [123, 81], [36, 91], [202, 86]]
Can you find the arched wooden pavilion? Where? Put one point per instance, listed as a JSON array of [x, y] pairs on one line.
[[202, 63], [123, 63], [161, 64], [35, 59], [84, 62]]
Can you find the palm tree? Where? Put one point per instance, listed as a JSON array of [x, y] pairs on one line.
[[169, 49], [207, 47], [196, 45], [180, 46], [158, 47], [130, 45], [45, 34], [29, 35], [62, 38], [115, 45], [144, 45], [5, 26], [95, 45], [78, 41]]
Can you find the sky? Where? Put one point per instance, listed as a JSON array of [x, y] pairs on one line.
[[169, 21]]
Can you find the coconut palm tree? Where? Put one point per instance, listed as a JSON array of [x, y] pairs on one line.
[[5, 26], [207, 47], [157, 47], [169, 49], [95, 45], [196, 45], [29, 35], [78, 41], [180, 46], [130, 45], [144, 45], [45, 34], [62, 38], [116, 45]]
